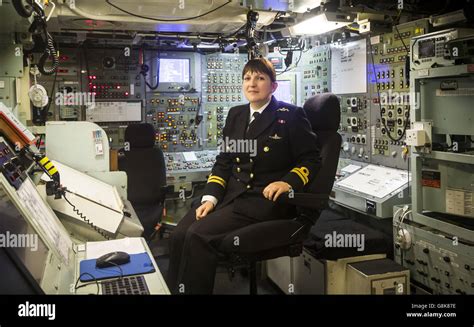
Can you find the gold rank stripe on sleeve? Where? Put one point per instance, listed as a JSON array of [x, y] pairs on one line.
[[302, 173], [216, 179]]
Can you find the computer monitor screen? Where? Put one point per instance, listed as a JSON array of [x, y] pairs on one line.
[[174, 70], [283, 91]]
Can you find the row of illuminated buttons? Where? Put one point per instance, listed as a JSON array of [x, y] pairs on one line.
[[391, 107], [400, 121], [193, 166], [168, 119], [356, 139], [115, 95], [403, 35], [219, 118], [227, 98], [390, 113], [391, 59], [318, 61], [224, 89], [391, 122], [166, 137], [391, 85], [310, 94], [237, 67], [387, 74], [386, 142], [394, 50], [100, 77], [399, 131], [399, 110], [117, 86], [314, 87], [176, 102], [314, 76], [222, 80], [226, 75], [164, 146]]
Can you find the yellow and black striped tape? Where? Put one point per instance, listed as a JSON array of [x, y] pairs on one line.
[[48, 165]]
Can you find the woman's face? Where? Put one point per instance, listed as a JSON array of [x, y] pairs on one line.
[[258, 87]]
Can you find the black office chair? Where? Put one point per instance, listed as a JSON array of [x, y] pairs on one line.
[[145, 167], [323, 112]]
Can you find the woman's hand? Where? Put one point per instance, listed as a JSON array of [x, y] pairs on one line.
[[204, 209], [273, 190]]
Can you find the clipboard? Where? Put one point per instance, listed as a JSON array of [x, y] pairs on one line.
[[140, 263]]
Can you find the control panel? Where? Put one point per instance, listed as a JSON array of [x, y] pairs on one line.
[[89, 76], [222, 89], [315, 68], [430, 50], [389, 86], [69, 96], [177, 119], [10, 165], [113, 74], [438, 260], [183, 169], [354, 127], [191, 161]]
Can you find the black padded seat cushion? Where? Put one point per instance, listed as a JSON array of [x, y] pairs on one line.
[[328, 223], [254, 238]]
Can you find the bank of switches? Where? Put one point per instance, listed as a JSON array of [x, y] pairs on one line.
[[190, 161]]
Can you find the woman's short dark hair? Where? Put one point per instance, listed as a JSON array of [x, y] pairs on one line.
[[260, 65]]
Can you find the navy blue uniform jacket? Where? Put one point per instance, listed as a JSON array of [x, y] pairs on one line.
[[286, 151]]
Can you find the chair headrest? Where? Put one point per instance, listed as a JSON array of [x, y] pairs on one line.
[[323, 112], [140, 135]]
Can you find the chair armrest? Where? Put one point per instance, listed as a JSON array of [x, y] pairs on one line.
[[164, 191], [305, 200]]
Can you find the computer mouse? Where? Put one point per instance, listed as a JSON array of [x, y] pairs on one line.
[[112, 259]]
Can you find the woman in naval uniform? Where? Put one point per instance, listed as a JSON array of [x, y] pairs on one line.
[[280, 154]]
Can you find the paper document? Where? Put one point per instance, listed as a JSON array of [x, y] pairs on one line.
[[189, 156], [45, 217], [350, 169], [375, 181]]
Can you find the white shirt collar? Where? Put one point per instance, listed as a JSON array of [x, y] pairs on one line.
[[259, 110]]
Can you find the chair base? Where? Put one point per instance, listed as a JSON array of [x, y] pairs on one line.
[[251, 259]]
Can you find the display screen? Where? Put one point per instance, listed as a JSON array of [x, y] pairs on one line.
[[426, 49], [283, 91], [174, 70], [277, 62]]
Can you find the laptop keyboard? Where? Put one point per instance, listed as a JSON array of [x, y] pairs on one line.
[[131, 285]]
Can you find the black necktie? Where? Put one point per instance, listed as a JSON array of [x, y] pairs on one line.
[[255, 116]]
